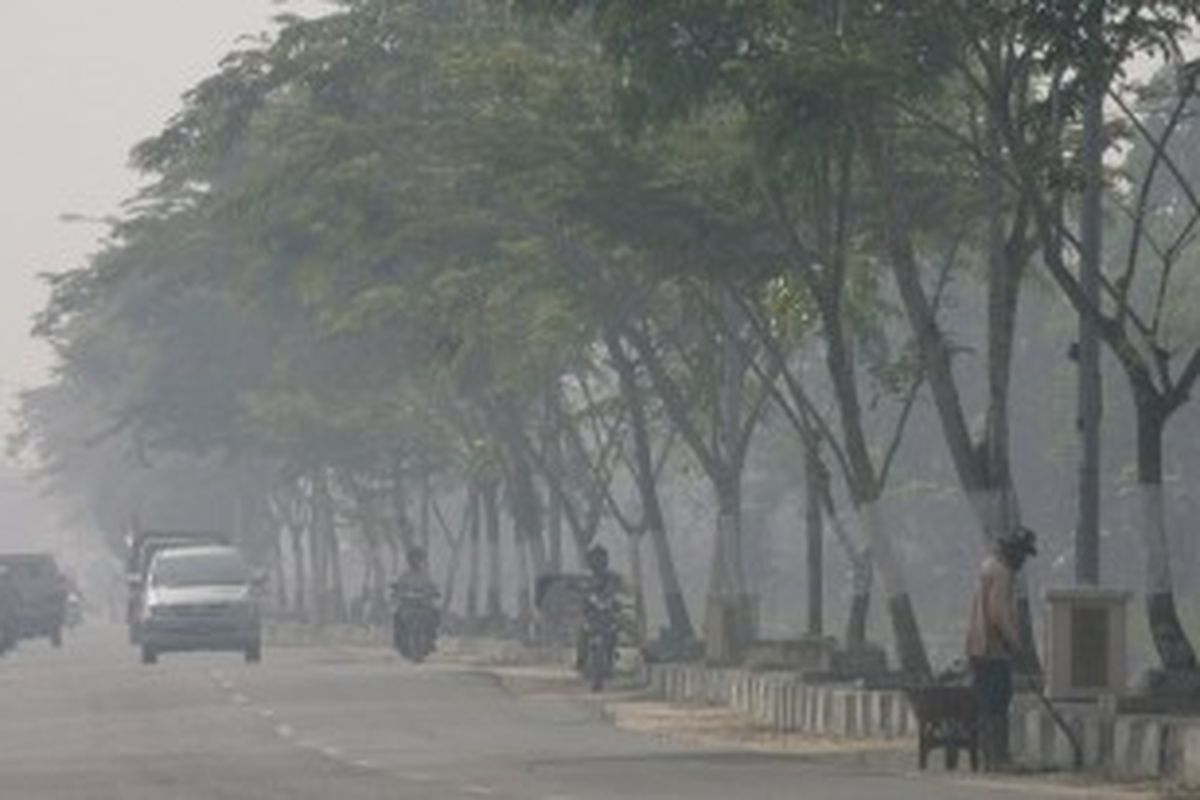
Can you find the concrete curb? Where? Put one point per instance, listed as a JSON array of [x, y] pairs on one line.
[[1119, 747]]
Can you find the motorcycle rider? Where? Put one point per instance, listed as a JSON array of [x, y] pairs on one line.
[[602, 591], [415, 581], [415, 586], [601, 579]]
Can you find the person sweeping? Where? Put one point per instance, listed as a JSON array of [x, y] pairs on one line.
[[994, 641]]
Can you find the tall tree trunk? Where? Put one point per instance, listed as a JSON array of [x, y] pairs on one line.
[[866, 493], [451, 580], [861, 578], [990, 495], [814, 478], [1091, 387], [862, 575], [679, 621], [372, 601], [279, 572], [1006, 264], [399, 498], [730, 613], [523, 499], [1172, 643], [325, 529], [729, 622], [300, 580], [319, 572], [910, 647], [377, 602], [473, 541], [426, 500], [731, 600], [524, 596], [337, 587], [554, 501], [317, 577], [525, 509], [491, 514], [639, 584]]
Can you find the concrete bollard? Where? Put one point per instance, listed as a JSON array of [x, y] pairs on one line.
[[801, 707], [777, 711], [813, 713], [1189, 768], [1124, 733], [827, 710], [791, 706], [1018, 744], [723, 690], [1038, 740], [844, 713], [866, 719], [884, 705], [1148, 759], [834, 712], [744, 689]]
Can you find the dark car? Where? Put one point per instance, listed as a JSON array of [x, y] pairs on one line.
[[39, 592]]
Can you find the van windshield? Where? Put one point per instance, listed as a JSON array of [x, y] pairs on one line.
[[200, 569]]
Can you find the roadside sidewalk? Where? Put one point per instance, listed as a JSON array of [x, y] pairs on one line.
[[629, 707], [526, 671], [716, 727]]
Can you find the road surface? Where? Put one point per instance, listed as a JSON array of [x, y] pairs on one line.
[[314, 723]]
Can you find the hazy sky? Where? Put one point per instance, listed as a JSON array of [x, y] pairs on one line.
[[84, 81]]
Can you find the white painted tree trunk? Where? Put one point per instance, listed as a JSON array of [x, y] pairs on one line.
[[909, 644]]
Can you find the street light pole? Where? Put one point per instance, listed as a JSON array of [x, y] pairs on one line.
[[1090, 386]]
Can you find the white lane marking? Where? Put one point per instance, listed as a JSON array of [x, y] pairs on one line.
[[334, 753], [240, 699], [478, 789], [363, 764], [221, 680], [415, 777], [285, 731], [266, 713]]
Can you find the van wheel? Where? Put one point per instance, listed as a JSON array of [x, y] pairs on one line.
[[149, 655], [56, 637], [254, 653]]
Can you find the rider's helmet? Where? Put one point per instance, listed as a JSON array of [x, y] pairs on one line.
[[417, 557], [1017, 545], [597, 559]]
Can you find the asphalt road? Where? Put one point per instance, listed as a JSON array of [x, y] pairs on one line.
[[88, 721]]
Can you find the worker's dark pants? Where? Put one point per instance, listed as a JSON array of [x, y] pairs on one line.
[[992, 678]]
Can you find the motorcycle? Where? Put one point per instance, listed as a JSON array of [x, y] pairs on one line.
[[414, 626], [601, 621]]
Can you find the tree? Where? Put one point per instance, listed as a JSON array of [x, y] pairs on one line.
[[1036, 76]]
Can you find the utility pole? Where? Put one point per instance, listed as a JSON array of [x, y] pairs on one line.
[[1087, 534]]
